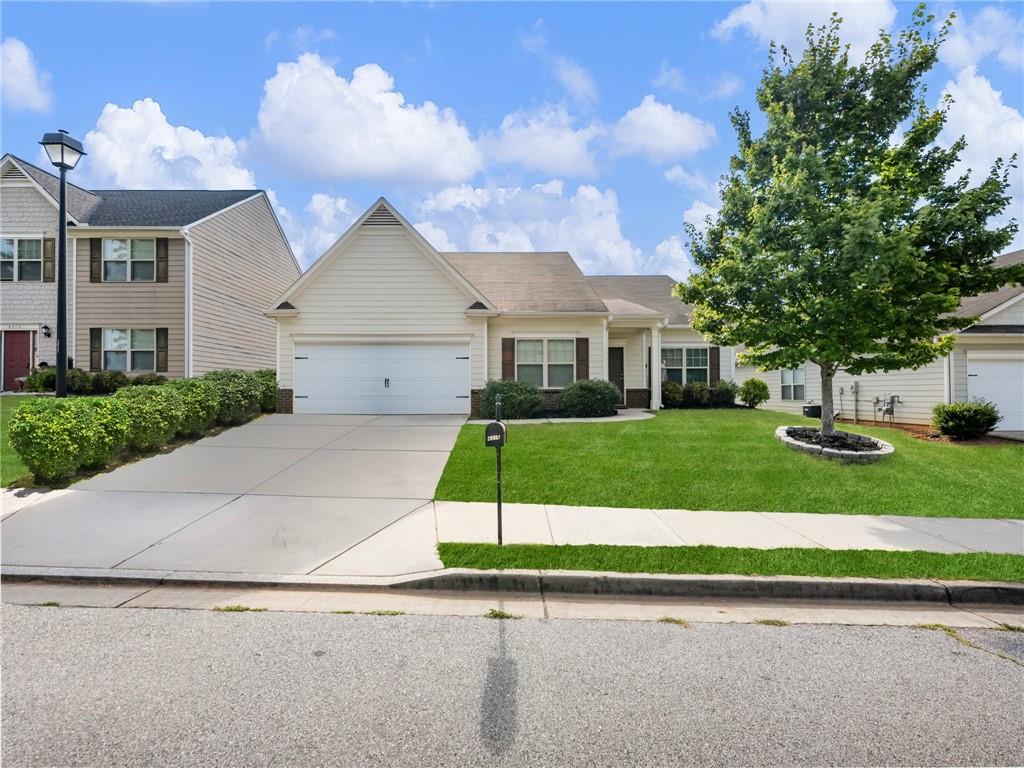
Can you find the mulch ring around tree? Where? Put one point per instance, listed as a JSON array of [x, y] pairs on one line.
[[840, 441]]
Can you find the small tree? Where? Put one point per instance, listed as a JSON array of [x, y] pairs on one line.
[[840, 239]]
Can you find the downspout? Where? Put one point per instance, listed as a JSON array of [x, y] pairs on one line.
[[188, 303], [606, 366]]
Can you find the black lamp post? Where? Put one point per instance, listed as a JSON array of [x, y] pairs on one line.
[[64, 152]]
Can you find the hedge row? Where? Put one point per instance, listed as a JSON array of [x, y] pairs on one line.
[[722, 394], [521, 400], [57, 437], [84, 383]]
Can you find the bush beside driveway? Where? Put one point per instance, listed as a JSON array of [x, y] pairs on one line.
[[730, 460]]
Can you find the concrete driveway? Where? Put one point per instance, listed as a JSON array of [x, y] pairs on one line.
[[285, 494]]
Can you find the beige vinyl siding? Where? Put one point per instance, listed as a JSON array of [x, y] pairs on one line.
[[240, 264], [382, 285], [132, 305], [633, 356], [568, 327], [1012, 315], [24, 210], [812, 387], [687, 337]]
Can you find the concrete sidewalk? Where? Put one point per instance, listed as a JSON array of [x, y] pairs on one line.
[[554, 524]]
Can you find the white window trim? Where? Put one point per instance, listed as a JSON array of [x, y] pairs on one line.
[[15, 278], [685, 367], [128, 261], [794, 383], [544, 357], [128, 370]]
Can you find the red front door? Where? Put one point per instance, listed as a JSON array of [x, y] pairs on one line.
[[17, 356]]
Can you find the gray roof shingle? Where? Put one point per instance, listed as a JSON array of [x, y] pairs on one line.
[[137, 207], [986, 302], [528, 282], [651, 291]]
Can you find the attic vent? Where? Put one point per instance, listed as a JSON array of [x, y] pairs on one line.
[[13, 172], [381, 217]]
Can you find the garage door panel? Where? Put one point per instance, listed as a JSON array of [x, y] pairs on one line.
[[382, 378], [1000, 381]]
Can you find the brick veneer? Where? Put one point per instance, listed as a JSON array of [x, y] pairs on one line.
[[284, 401], [638, 398]]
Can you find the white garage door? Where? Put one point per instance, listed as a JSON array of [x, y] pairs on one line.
[[382, 378], [1000, 382]]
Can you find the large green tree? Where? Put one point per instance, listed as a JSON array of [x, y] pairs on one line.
[[843, 237]]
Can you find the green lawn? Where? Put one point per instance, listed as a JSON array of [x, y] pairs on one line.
[[730, 460], [863, 563], [11, 468]]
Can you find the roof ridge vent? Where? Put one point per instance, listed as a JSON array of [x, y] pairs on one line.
[[13, 172], [381, 217]]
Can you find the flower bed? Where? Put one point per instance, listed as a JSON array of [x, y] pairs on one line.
[[842, 446]]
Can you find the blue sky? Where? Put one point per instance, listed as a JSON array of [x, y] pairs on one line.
[[597, 128]]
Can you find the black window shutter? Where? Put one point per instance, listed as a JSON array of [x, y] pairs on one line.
[[48, 260], [161, 349], [714, 365], [95, 349], [95, 259], [161, 259], [583, 358], [508, 359]]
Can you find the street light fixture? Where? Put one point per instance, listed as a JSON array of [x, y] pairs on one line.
[[64, 152]]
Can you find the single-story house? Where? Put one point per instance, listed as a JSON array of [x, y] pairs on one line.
[[384, 323], [987, 363]]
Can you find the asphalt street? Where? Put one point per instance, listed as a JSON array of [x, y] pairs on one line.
[[135, 687]]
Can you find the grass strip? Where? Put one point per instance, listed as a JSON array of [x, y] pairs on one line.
[[865, 563]]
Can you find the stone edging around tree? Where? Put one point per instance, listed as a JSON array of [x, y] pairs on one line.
[[859, 457]]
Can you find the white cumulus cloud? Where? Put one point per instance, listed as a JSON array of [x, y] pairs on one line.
[[23, 85], [786, 22], [669, 78], [576, 80], [138, 147], [660, 132], [694, 180], [547, 139], [320, 125], [311, 232], [698, 212], [991, 31], [543, 217]]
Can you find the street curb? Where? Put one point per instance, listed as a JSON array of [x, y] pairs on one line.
[[563, 583]]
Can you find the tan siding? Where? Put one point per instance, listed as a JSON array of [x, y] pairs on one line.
[[634, 350], [240, 265], [570, 327], [133, 305], [674, 337], [1012, 315], [382, 284], [812, 387]]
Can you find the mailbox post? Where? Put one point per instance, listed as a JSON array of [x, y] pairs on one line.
[[494, 436]]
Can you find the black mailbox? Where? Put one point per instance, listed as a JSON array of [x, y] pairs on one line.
[[494, 435]]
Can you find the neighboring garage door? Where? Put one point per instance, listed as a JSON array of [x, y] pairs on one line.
[[1000, 381], [382, 378]]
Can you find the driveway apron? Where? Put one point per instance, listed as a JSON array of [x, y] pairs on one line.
[[285, 494]]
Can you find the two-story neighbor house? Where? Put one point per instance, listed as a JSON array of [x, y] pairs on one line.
[[384, 323], [172, 281]]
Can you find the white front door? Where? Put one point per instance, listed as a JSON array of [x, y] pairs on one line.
[[382, 378], [1000, 381]]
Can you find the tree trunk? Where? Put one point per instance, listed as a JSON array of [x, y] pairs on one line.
[[828, 414]]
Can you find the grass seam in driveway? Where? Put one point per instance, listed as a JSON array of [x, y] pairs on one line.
[[705, 560], [730, 460]]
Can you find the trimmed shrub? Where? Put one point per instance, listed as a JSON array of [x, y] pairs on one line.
[[695, 394], [723, 394], [148, 380], [153, 415], [519, 399], [50, 435], [41, 380], [79, 382], [238, 393], [753, 392], [671, 394], [105, 421], [965, 421], [268, 390], [589, 398], [200, 403], [108, 382]]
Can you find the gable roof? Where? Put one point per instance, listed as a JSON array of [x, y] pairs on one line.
[[528, 281], [135, 207], [976, 306], [651, 292]]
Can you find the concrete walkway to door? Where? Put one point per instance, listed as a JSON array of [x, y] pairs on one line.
[[285, 494]]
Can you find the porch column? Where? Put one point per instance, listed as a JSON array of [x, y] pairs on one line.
[[655, 371]]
